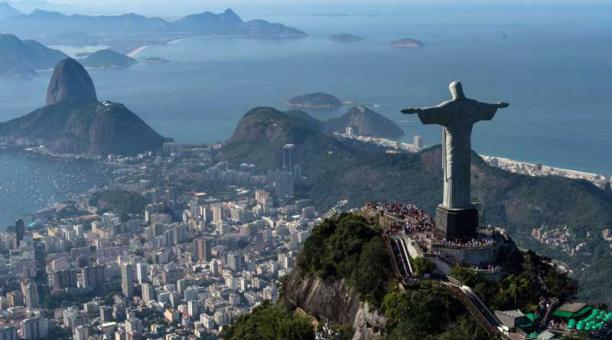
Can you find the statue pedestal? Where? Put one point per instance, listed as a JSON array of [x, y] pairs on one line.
[[457, 223]]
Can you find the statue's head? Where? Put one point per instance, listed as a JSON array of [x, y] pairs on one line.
[[456, 90]]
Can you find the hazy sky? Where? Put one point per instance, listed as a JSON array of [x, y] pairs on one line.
[[179, 7]]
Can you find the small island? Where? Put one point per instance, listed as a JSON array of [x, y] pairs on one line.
[[317, 100], [407, 43], [156, 60], [345, 38], [107, 59]]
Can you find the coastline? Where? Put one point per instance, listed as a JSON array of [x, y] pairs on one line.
[[138, 50], [542, 170], [506, 164], [27, 200]]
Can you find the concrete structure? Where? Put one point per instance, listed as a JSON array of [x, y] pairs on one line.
[[34, 328], [127, 279], [456, 218], [19, 232], [202, 247], [148, 293], [93, 277], [289, 158], [8, 333], [511, 318], [30, 294]]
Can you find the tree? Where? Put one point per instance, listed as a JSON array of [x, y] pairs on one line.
[[270, 321], [371, 277], [422, 266]]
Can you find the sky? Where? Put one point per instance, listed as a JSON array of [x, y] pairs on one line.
[[182, 7]]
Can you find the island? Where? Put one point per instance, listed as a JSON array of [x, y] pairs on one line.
[[156, 60], [407, 43], [317, 100], [345, 38], [108, 59]]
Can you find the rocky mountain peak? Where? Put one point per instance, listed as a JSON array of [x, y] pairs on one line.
[[70, 82]]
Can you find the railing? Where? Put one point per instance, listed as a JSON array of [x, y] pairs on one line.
[[394, 260], [476, 307], [405, 254]]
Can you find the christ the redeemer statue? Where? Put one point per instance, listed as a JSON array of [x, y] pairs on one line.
[[456, 217]]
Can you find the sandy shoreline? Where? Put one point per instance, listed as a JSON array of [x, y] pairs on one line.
[[137, 51]]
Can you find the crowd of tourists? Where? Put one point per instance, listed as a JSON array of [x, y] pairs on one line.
[[481, 242], [413, 219]]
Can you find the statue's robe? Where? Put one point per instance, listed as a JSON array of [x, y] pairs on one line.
[[457, 118]]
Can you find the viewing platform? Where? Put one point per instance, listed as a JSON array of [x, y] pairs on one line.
[[416, 229]]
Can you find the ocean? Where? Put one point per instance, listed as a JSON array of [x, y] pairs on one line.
[[551, 62]]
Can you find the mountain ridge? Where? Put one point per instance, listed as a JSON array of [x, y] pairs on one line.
[[28, 54], [47, 25], [7, 11]]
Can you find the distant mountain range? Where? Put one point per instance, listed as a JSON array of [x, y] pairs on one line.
[[74, 121], [360, 173], [27, 6], [21, 57], [57, 27], [7, 11]]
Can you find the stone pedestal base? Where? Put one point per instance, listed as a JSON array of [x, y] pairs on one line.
[[457, 223]]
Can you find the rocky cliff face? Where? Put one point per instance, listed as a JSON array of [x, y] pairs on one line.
[[70, 82], [335, 302]]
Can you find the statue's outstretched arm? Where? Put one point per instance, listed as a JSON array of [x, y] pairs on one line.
[[431, 115], [487, 111], [413, 110]]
